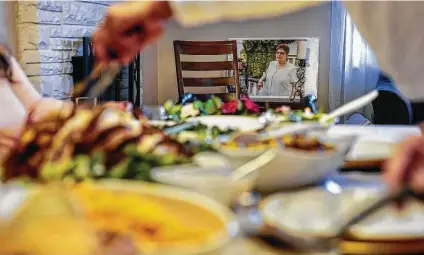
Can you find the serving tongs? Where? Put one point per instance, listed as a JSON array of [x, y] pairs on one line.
[[98, 81], [103, 74]]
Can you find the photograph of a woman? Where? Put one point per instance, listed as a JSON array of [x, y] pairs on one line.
[[280, 77], [280, 69]]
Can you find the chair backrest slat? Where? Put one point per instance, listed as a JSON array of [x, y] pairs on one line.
[[208, 82], [207, 66], [206, 50]]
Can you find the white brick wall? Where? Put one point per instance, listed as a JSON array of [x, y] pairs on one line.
[[49, 35]]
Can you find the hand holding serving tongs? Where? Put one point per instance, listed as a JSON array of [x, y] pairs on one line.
[[104, 73]]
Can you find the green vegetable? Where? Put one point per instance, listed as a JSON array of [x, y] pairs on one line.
[[210, 107], [240, 105], [82, 169], [168, 105], [198, 104], [217, 101], [120, 169], [143, 172], [167, 159], [131, 150], [175, 117], [52, 170], [175, 109]]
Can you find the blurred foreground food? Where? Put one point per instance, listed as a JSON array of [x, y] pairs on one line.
[[44, 223], [92, 219], [82, 143]]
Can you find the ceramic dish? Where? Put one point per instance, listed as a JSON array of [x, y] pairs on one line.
[[318, 212], [241, 123], [213, 181], [374, 144], [178, 211], [190, 208], [293, 167]]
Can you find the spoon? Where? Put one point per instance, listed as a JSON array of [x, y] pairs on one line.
[[179, 127], [253, 165], [219, 163], [266, 119], [350, 107], [216, 160]]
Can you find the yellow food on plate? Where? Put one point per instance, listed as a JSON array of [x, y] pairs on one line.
[[298, 142], [153, 222]]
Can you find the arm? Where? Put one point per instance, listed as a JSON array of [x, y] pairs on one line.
[[150, 15], [22, 87], [398, 24], [263, 78], [194, 13]]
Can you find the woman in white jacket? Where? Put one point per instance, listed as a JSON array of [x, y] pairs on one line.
[[280, 76]]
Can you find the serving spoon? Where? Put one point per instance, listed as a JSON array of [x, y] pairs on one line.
[[269, 117], [330, 242], [315, 243], [350, 107]]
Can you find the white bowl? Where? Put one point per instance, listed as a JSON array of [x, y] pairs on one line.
[[214, 182], [241, 123], [293, 168]]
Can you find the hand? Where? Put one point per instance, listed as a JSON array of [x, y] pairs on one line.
[[406, 165], [259, 85], [46, 106], [7, 142], [114, 34]]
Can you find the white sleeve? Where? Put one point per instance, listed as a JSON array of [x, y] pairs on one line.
[[394, 31], [194, 13], [12, 111], [23, 88]]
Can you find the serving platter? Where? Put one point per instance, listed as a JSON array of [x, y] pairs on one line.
[[241, 123], [192, 210], [374, 144], [318, 212]]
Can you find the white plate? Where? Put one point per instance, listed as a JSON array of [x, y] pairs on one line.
[[161, 123], [242, 123], [317, 212], [374, 142]]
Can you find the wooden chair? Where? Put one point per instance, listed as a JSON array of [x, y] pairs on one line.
[[221, 86]]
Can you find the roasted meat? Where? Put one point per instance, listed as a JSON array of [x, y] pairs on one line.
[[63, 135]]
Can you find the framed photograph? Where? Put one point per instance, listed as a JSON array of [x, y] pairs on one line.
[[281, 69]]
